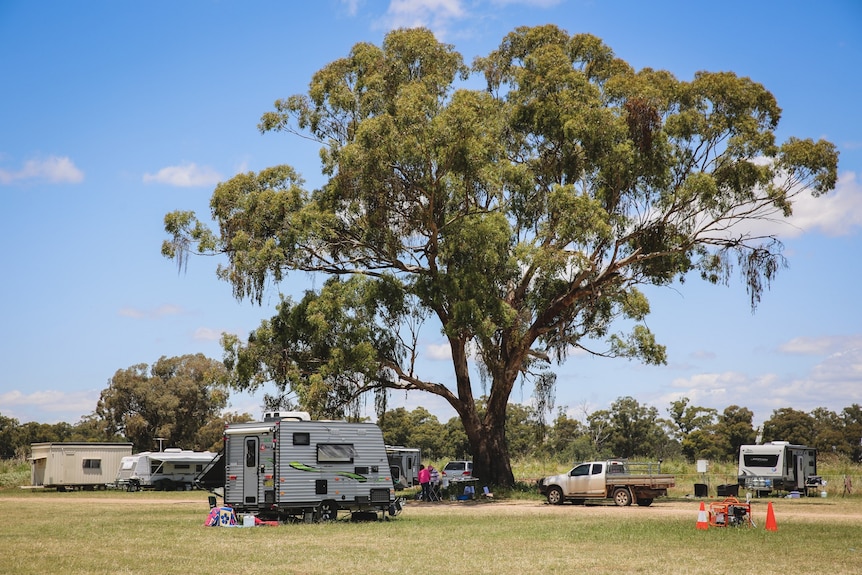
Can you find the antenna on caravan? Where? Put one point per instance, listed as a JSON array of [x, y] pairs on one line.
[[759, 439]]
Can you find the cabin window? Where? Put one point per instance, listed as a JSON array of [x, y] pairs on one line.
[[302, 439], [92, 464], [760, 460], [597, 468], [335, 453], [581, 470]]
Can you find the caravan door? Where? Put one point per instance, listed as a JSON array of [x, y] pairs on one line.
[[250, 478], [799, 470]]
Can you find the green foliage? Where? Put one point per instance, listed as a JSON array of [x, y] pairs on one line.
[[521, 219], [173, 400], [417, 429], [788, 424], [15, 437], [14, 473]]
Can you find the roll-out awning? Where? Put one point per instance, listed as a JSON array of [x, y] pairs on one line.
[[249, 430]]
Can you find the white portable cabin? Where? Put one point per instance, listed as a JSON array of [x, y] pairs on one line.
[[75, 465], [168, 470], [288, 468], [777, 466], [404, 465]]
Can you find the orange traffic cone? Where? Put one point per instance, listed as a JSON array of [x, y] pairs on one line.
[[702, 522], [770, 518]]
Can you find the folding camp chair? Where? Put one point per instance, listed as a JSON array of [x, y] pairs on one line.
[[434, 491]]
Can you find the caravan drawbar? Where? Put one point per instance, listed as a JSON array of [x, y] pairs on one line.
[[290, 468]]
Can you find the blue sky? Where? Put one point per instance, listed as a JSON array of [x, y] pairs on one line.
[[114, 113]]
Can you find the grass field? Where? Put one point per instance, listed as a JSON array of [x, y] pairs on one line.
[[163, 533]]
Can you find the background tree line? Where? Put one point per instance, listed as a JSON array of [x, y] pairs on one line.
[[634, 430], [176, 402], [181, 400]]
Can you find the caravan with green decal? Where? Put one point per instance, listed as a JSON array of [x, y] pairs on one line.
[[289, 468]]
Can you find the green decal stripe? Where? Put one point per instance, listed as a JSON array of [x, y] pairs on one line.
[[359, 478], [303, 467]]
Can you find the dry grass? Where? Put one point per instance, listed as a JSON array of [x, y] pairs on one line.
[[163, 533]]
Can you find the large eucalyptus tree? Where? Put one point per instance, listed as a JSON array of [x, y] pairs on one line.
[[519, 220]]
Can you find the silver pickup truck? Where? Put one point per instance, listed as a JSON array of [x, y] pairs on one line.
[[618, 479]]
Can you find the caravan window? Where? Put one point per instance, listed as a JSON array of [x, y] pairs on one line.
[[92, 464], [302, 439], [760, 460], [251, 452], [335, 453]]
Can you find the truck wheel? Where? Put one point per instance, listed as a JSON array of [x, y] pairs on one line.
[[555, 496], [622, 497], [645, 502]]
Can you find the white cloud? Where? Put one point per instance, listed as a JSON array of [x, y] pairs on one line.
[[48, 406], [838, 213], [842, 369], [352, 6], [185, 176], [433, 14], [54, 169], [834, 383], [207, 334], [820, 345], [439, 351]]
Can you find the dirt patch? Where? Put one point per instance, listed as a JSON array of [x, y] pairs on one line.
[[798, 510], [801, 510]]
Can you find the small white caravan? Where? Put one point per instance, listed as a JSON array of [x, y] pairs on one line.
[[168, 470]]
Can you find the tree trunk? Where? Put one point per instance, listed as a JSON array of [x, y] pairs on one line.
[[490, 451], [486, 434]]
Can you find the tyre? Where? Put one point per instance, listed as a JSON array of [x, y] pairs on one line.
[[327, 511], [622, 497], [644, 502], [555, 496]]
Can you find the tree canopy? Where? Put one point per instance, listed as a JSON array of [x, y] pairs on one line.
[[179, 400], [520, 219]]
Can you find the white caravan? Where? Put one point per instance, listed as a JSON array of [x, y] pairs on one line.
[[168, 470], [404, 465], [287, 469], [777, 466]]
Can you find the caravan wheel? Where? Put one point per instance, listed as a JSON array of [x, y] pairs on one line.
[[327, 510]]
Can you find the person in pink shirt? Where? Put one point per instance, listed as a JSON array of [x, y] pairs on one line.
[[425, 482]]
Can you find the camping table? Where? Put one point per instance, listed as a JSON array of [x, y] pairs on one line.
[[464, 487]]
